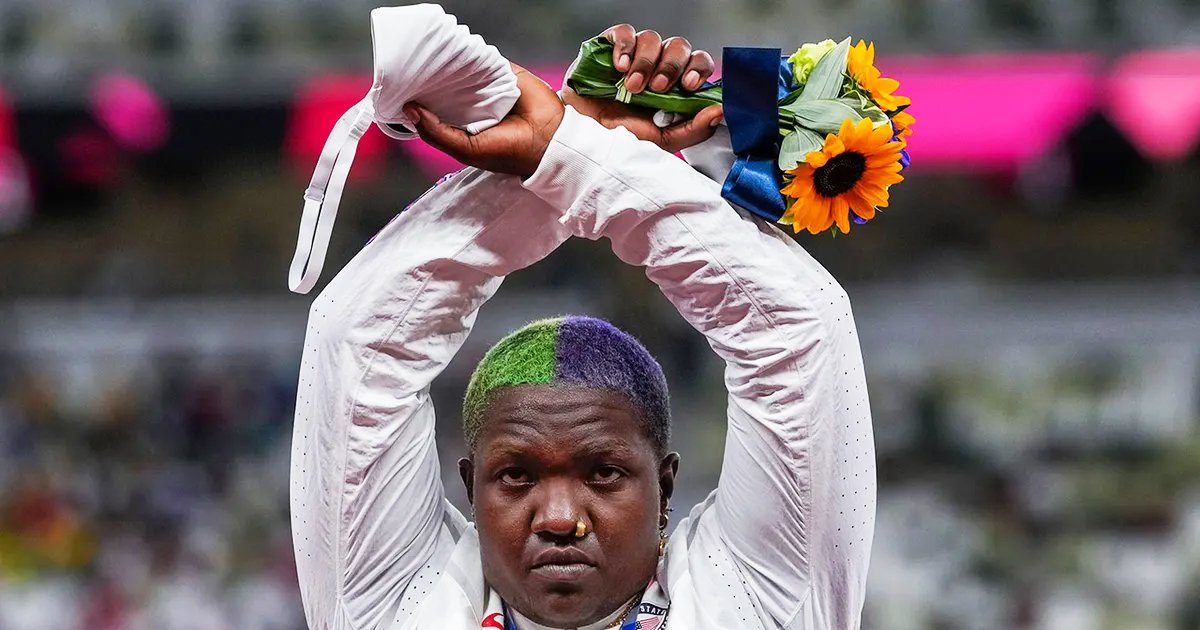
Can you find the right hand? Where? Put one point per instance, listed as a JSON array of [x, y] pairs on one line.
[[514, 146]]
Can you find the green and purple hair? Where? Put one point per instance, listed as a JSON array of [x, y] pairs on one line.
[[574, 349]]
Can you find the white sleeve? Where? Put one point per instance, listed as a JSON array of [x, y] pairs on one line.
[[796, 499], [368, 510]]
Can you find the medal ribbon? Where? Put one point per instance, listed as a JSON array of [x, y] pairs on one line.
[[629, 623]]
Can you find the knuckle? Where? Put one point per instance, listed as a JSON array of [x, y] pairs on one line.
[[670, 65], [678, 43], [649, 35], [643, 63], [620, 34], [701, 58]]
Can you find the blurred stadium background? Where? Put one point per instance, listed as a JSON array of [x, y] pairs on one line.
[[1029, 306]]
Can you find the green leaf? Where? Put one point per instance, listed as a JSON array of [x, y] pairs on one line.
[[594, 76], [791, 97], [824, 116], [825, 82], [867, 110], [796, 146]]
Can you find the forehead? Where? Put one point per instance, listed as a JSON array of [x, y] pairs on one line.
[[560, 415]]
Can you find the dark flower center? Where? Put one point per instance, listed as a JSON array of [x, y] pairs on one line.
[[839, 174]]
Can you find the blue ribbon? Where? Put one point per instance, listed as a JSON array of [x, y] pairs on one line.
[[755, 80], [628, 623]]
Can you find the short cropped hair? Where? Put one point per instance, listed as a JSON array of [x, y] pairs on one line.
[[573, 349]]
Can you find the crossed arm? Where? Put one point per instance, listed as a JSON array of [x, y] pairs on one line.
[[795, 497]]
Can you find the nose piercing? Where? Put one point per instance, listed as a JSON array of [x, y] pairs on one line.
[[580, 528]]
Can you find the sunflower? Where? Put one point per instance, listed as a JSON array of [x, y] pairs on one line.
[[851, 172], [860, 64]]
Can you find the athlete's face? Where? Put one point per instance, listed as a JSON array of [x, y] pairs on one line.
[[547, 457]]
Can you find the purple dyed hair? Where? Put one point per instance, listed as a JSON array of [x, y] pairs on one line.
[[574, 349]]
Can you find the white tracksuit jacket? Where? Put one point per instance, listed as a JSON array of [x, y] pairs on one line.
[[785, 539]]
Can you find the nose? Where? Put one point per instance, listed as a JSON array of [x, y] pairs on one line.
[[557, 511]]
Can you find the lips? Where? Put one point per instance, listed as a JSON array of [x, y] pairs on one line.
[[562, 556]]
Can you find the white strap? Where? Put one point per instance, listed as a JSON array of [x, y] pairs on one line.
[[324, 193]]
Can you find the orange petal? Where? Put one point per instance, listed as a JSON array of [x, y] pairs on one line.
[[878, 162], [833, 145], [862, 133], [841, 213], [826, 222], [847, 126], [887, 85], [873, 196], [816, 159], [802, 210], [887, 179], [860, 206], [801, 184], [821, 213], [880, 136]]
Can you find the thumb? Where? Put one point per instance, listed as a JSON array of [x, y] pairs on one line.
[[450, 140], [689, 133]]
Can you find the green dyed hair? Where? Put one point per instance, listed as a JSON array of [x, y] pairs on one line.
[[581, 350]]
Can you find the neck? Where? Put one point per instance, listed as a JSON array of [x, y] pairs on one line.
[[524, 623]]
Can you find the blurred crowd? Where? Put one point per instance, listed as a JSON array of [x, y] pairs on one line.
[[1030, 476], [1029, 330], [152, 497]]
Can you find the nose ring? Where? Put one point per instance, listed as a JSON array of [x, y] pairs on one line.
[[580, 528]]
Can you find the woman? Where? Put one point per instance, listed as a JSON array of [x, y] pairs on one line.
[[566, 421]]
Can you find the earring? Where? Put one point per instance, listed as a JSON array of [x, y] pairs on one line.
[[664, 519]]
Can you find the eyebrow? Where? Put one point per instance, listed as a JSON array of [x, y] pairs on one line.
[[504, 449]]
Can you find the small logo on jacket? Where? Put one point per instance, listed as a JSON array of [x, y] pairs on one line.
[[493, 621]]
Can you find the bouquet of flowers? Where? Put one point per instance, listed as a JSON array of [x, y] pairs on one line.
[[820, 135]]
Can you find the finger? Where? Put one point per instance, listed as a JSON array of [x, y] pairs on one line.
[[623, 38], [694, 131], [645, 58], [676, 53], [699, 68], [527, 79], [452, 141]]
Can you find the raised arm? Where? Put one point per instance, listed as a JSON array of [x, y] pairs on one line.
[[794, 511], [368, 512]]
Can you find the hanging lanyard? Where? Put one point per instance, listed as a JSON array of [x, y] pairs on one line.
[[629, 623], [324, 193]]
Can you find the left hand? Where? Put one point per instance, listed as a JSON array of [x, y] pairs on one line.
[[667, 63], [649, 60]]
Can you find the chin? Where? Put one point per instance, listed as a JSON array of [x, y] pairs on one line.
[[563, 609]]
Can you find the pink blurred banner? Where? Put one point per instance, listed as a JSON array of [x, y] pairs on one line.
[[319, 104], [993, 112], [131, 112], [988, 113], [8, 125], [1154, 98], [322, 100], [16, 196]]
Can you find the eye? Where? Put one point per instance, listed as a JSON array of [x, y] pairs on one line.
[[514, 476], [607, 474]]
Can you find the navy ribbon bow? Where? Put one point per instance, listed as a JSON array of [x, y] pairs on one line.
[[755, 80]]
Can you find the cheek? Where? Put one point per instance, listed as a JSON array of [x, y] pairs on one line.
[[630, 519], [502, 522]]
